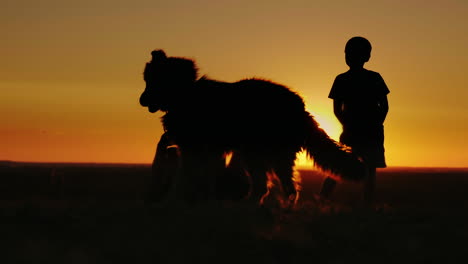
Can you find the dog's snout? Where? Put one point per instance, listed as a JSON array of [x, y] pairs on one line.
[[143, 99]]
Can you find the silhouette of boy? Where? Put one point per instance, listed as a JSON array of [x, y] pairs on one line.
[[360, 104]]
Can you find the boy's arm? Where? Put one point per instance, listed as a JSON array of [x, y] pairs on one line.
[[383, 104], [338, 109]]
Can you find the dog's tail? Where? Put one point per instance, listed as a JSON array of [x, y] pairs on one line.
[[329, 155]]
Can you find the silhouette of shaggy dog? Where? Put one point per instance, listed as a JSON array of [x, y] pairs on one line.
[[264, 125]]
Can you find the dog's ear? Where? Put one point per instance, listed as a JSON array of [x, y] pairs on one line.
[[158, 56]]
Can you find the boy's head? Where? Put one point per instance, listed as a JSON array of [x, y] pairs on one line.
[[357, 52]]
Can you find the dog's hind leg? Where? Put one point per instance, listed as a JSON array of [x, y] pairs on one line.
[[257, 169], [284, 169]]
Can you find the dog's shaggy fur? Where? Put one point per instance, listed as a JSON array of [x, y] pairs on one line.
[[264, 125]]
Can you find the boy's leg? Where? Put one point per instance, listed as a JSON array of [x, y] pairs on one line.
[[369, 186], [328, 186]]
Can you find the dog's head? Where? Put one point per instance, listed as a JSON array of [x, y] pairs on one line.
[[166, 79]]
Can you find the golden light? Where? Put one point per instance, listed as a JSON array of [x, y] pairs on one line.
[[328, 122], [227, 158]]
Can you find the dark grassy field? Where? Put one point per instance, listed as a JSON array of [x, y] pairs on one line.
[[65, 213]]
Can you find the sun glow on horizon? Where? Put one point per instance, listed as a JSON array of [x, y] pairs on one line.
[[328, 122]]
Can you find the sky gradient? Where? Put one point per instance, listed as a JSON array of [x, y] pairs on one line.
[[71, 71]]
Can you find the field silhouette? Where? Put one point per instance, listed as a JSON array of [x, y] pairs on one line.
[[94, 213]]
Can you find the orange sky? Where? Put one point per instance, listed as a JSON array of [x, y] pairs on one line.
[[71, 71]]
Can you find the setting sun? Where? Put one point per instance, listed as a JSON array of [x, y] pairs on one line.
[[328, 122]]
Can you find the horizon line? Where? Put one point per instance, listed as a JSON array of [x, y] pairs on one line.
[[299, 167]]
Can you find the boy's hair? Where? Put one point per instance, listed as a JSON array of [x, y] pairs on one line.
[[358, 45]]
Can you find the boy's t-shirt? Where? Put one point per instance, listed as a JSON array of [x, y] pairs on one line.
[[360, 92]]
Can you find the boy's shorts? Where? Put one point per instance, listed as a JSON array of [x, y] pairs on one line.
[[367, 142]]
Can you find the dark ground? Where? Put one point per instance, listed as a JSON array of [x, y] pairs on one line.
[[59, 213]]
